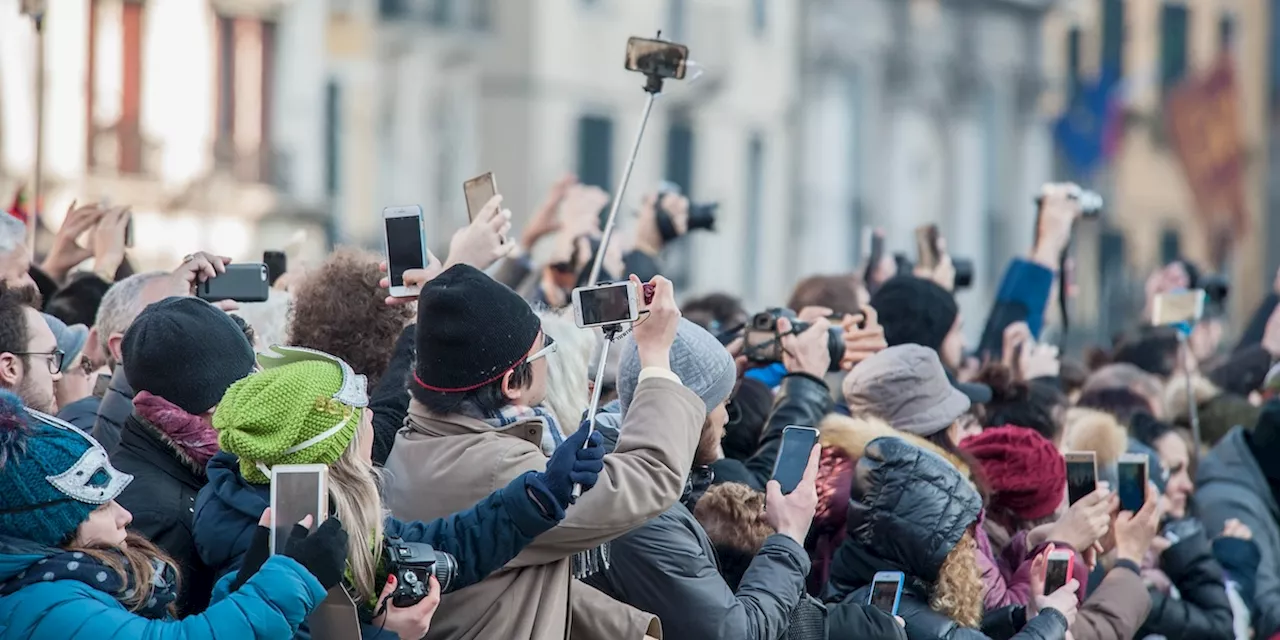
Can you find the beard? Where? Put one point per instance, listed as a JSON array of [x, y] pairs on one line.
[[34, 397]]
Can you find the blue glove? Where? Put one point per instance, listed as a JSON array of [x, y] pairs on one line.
[[572, 463]]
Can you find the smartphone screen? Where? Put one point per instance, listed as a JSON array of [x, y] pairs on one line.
[[793, 457], [404, 246], [1177, 308], [478, 191], [610, 304], [1056, 574], [657, 57], [297, 491], [1133, 485], [927, 247], [884, 595], [1082, 477]]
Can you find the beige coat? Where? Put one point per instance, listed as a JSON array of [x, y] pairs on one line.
[[444, 464]]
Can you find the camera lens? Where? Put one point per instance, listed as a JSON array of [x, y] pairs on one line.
[[835, 347], [964, 272], [703, 216], [445, 569]]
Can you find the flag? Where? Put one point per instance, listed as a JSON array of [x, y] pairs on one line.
[[1089, 131]]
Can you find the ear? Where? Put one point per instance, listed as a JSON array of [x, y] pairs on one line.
[[114, 344], [509, 390], [10, 370]]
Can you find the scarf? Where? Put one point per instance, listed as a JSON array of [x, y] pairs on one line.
[[78, 566], [191, 436], [509, 415]]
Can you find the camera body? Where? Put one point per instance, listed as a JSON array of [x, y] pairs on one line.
[[702, 215], [762, 342], [412, 564], [963, 267]]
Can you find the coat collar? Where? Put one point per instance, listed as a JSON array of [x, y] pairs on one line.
[[146, 442], [424, 422]]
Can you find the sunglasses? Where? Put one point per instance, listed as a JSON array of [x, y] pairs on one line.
[[548, 348]]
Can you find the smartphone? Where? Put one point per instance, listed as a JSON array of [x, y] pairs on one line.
[[886, 591], [478, 191], [1058, 571], [927, 256], [1132, 481], [605, 304], [1082, 474], [128, 232], [406, 246], [277, 263], [297, 491], [793, 456], [1178, 307], [241, 282], [657, 57]]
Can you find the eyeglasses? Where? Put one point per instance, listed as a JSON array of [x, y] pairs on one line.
[[54, 358], [548, 348]]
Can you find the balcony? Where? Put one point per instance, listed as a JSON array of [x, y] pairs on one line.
[[260, 165]]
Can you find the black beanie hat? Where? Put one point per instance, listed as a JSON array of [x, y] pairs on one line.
[[915, 311], [471, 331], [186, 351]]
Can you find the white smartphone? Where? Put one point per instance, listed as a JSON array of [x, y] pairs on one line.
[[297, 491], [479, 191], [1132, 481], [886, 591], [1058, 570], [1178, 307], [406, 245], [1082, 474], [605, 304]]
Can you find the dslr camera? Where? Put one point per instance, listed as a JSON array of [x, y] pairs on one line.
[[702, 215], [412, 563], [762, 342]]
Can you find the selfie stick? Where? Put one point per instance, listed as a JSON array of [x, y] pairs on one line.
[[1193, 412], [610, 333], [652, 86]]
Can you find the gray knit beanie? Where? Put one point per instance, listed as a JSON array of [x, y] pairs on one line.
[[703, 364]]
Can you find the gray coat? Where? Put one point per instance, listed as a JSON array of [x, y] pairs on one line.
[[1230, 484], [667, 567]]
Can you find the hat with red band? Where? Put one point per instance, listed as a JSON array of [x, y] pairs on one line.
[[471, 331]]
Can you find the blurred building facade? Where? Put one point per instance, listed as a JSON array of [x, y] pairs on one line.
[[1155, 46]]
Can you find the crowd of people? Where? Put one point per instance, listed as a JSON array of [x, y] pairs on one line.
[[139, 426]]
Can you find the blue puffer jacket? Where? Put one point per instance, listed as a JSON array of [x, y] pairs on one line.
[[70, 610], [483, 538]]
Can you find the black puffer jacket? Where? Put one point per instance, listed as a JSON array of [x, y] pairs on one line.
[[1204, 611], [908, 509]]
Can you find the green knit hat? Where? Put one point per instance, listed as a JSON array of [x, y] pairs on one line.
[[304, 407]]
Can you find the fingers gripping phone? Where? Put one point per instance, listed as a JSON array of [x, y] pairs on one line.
[[479, 191], [241, 282], [1082, 474], [1132, 481], [793, 456], [406, 245], [297, 491], [605, 305], [1058, 570], [886, 591]]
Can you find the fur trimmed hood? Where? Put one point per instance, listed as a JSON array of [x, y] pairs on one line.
[[1096, 431], [851, 436]]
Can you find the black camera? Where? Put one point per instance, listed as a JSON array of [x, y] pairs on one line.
[[963, 267], [1090, 202], [702, 215], [412, 563], [762, 342]]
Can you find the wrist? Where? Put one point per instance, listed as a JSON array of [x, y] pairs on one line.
[[658, 358], [1129, 555], [1047, 254]]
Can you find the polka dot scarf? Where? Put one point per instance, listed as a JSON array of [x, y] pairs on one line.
[[81, 567]]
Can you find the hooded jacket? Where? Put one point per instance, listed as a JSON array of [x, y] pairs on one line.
[[1230, 484], [481, 538], [271, 604], [908, 509]]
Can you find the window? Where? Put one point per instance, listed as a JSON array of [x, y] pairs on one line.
[[759, 15], [1113, 36], [1170, 245], [246, 79], [481, 14], [266, 158], [393, 9], [1174, 19], [226, 39], [1073, 59], [674, 29], [679, 163], [1226, 32], [332, 138], [751, 252], [595, 151], [441, 12], [129, 129]]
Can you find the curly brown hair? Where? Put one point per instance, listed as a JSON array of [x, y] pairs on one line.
[[958, 591], [339, 309], [733, 516]]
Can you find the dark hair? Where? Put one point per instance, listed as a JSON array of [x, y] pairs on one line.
[[1152, 349], [245, 327], [1032, 405], [838, 293], [716, 312], [1072, 374], [1145, 428], [78, 302], [15, 335], [339, 309], [484, 402], [1121, 403]]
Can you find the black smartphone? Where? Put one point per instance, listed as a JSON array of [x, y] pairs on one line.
[[793, 456], [277, 263], [1132, 481], [242, 282], [1082, 474], [406, 246]]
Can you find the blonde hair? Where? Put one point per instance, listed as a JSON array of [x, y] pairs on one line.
[[353, 491], [131, 562], [568, 393], [958, 591]]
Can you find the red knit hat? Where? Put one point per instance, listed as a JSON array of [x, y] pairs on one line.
[[1024, 472]]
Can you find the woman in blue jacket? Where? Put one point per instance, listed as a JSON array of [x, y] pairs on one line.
[[70, 571], [307, 407]]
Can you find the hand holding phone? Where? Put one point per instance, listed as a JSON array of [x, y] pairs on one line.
[[406, 246], [793, 456], [1082, 474], [790, 510], [484, 241], [886, 591], [607, 305], [1058, 570], [1132, 481], [1178, 308], [298, 492], [478, 191], [239, 282]]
